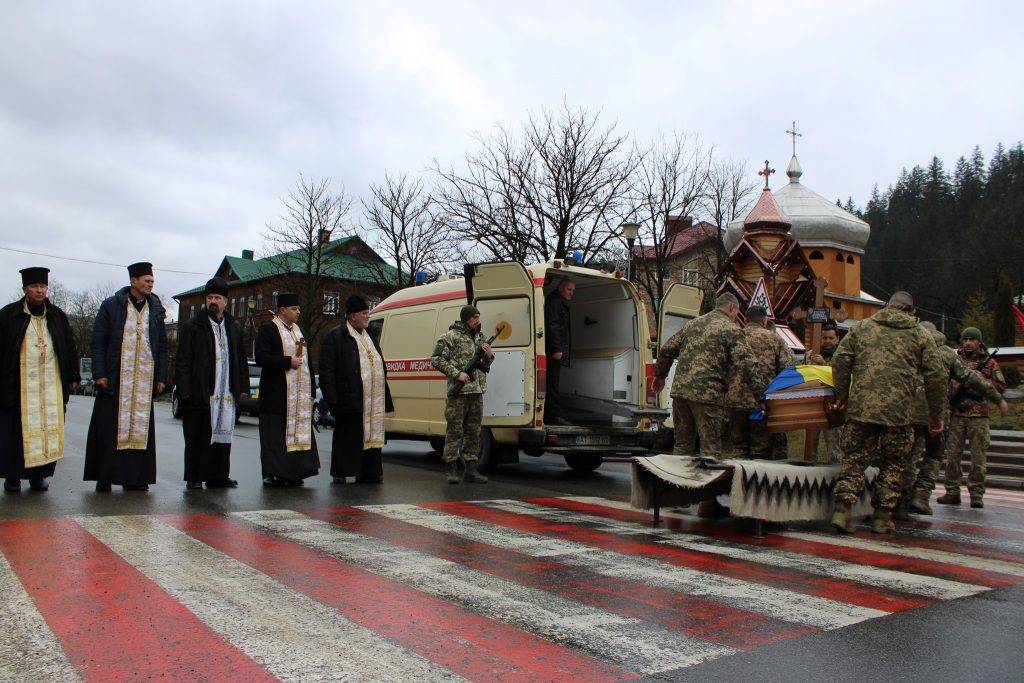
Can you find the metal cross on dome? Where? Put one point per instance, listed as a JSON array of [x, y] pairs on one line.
[[768, 170], [794, 135]]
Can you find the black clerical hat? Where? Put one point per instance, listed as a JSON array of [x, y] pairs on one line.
[[35, 276], [286, 299], [216, 285], [356, 304], [140, 269]]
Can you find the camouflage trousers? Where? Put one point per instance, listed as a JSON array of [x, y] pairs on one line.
[[693, 418], [463, 413], [750, 439], [973, 430], [827, 445], [924, 463], [870, 444]]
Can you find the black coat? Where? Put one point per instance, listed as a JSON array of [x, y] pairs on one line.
[[193, 367], [13, 324], [108, 330], [340, 381], [270, 356], [556, 328]]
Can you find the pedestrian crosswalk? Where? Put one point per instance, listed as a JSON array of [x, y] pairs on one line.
[[554, 588]]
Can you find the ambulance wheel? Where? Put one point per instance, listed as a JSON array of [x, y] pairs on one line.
[[583, 462], [488, 458], [437, 443]]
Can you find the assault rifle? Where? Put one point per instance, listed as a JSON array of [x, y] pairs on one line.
[[962, 393], [475, 363]]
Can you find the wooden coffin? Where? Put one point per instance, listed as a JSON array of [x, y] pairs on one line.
[[803, 406]]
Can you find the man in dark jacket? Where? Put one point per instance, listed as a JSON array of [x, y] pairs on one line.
[[353, 380], [129, 362], [38, 371], [287, 386], [212, 376], [557, 345]]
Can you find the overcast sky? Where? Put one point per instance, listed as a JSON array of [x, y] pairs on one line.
[[169, 131]]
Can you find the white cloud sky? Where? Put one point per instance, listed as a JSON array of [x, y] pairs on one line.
[[169, 131]]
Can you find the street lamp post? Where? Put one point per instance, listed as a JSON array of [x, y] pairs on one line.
[[629, 231]]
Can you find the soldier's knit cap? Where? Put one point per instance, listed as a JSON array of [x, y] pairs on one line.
[[971, 333], [468, 312]]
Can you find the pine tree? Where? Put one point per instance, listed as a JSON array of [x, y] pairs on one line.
[[978, 314], [1004, 323]]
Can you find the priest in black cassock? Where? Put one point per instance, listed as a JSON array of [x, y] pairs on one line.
[[38, 372], [287, 387], [353, 379], [129, 364], [211, 375]]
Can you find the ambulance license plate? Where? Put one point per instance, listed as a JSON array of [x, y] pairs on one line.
[[590, 440]]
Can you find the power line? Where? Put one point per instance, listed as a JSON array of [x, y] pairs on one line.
[[99, 263]]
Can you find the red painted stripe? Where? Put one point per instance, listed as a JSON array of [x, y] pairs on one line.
[[113, 622], [417, 300], [698, 617], [948, 546], [967, 528], [469, 645], [941, 570], [841, 590]]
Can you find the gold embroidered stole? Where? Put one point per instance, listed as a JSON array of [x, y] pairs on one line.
[[298, 421], [371, 372], [135, 386], [42, 395]]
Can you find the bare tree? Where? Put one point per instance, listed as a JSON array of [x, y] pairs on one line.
[[730, 192], [407, 233], [314, 214], [556, 185], [671, 183]]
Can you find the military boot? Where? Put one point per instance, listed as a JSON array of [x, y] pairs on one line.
[[949, 498], [451, 472], [920, 504], [902, 511], [977, 502], [881, 522], [473, 474], [842, 518]]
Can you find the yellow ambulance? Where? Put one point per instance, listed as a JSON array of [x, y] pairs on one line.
[[608, 408]]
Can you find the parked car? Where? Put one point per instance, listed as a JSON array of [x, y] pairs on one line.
[[247, 406], [321, 414]]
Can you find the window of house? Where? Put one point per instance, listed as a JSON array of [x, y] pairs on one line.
[[691, 276], [372, 302], [259, 302], [839, 257], [816, 256], [849, 259], [331, 303]]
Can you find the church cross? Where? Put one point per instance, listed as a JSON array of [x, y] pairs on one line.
[[766, 172], [792, 133]]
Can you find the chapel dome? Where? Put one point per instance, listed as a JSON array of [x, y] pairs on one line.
[[816, 222]]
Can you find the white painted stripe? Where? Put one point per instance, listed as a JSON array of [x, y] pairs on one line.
[[295, 637], [967, 539], [627, 641], [905, 582], [30, 651], [781, 604], [972, 561]]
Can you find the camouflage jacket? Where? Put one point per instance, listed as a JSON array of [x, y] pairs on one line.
[[974, 404], [959, 373], [771, 355], [707, 348], [453, 350], [878, 365]]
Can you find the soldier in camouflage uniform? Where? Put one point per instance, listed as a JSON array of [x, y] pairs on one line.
[[830, 451], [772, 355], [876, 369], [919, 481], [969, 422], [463, 412]]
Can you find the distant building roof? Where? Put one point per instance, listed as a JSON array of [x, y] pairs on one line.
[[682, 235], [340, 265]]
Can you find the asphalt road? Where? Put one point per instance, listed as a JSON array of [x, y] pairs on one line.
[[411, 475], [976, 637]]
